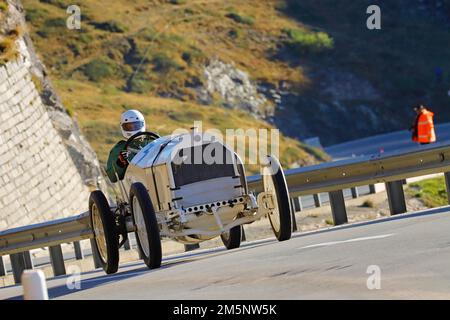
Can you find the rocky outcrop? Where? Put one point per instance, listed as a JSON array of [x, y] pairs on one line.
[[340, 105], [235, 89]]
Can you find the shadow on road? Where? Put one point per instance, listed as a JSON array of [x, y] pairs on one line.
[[171, 261], [86, 284]]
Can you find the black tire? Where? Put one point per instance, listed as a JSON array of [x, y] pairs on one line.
[[109, 252], [153, 256], [284, 205], [232, 239]]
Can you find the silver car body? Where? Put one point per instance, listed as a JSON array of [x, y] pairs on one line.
[[194, 202]]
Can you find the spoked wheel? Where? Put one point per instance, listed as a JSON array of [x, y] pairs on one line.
[[232, 238], [105, 232], [147, 229], [275, 184]]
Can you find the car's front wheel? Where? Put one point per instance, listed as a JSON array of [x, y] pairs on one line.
[[275, 184], [147, 228]]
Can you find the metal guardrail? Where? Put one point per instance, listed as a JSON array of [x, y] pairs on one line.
[[45, 234], [388, 167], [332, 177]]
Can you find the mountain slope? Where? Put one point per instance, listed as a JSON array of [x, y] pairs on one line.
[[152, 55], [371, 79], [308, 67]]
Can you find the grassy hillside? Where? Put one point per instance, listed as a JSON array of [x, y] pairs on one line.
[[338, 80], [146, 54], [432, 192]]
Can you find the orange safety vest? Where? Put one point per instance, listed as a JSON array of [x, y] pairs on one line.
[[425, 128]]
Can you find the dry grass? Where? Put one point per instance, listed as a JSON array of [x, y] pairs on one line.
[[368, 204], [98, 110], [200, 29], [8, 46], [8, 38], [8, 50], [156, 49]]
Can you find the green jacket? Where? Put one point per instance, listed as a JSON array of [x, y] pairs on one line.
[[113, 166]]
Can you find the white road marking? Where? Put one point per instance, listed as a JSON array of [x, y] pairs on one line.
[[326, 244]]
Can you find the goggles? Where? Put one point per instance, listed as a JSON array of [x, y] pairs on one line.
[[133, 126]]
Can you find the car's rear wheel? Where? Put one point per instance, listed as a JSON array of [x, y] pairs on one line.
[[275, 184], [232, 238], [105, 232], [147, 228]]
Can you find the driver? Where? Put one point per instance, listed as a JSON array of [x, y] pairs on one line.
[[131, 122]]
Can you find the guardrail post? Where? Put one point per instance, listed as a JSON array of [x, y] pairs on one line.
[[372, 189], [317, 200], [57, 260], [447, 184], [28, 262], [297, 204], [355, 192], [127, 245], [190, 247], [396, 197], [95, 257], [2, 267], [20, 262], [78, 251], [338, 207], [293, 211]]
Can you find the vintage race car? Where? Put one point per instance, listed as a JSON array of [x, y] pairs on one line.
[[167, 192]]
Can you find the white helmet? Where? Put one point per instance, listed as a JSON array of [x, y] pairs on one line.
[[132, 122]]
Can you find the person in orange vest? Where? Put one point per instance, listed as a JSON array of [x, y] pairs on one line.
[[423, 127]]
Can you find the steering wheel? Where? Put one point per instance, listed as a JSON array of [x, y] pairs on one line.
[[152, 135]]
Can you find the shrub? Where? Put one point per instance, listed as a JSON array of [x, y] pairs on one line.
[[58, 3], [309, 42], [75, 48], [240, 19], [147, 34], [368, 204], [55, 23], [85, 38], [69, 110], [110, 26], [177, 1], [140, 85], [51, 26], [192, 56], [35, 15], [37, 83], [98, 69], [163, 63], [235, 33], [3, 6], [8, 50]]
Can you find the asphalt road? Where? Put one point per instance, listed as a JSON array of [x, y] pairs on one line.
[[395, 141], [411, 253]]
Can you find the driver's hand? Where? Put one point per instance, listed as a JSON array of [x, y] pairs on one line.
[[122, 161]]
